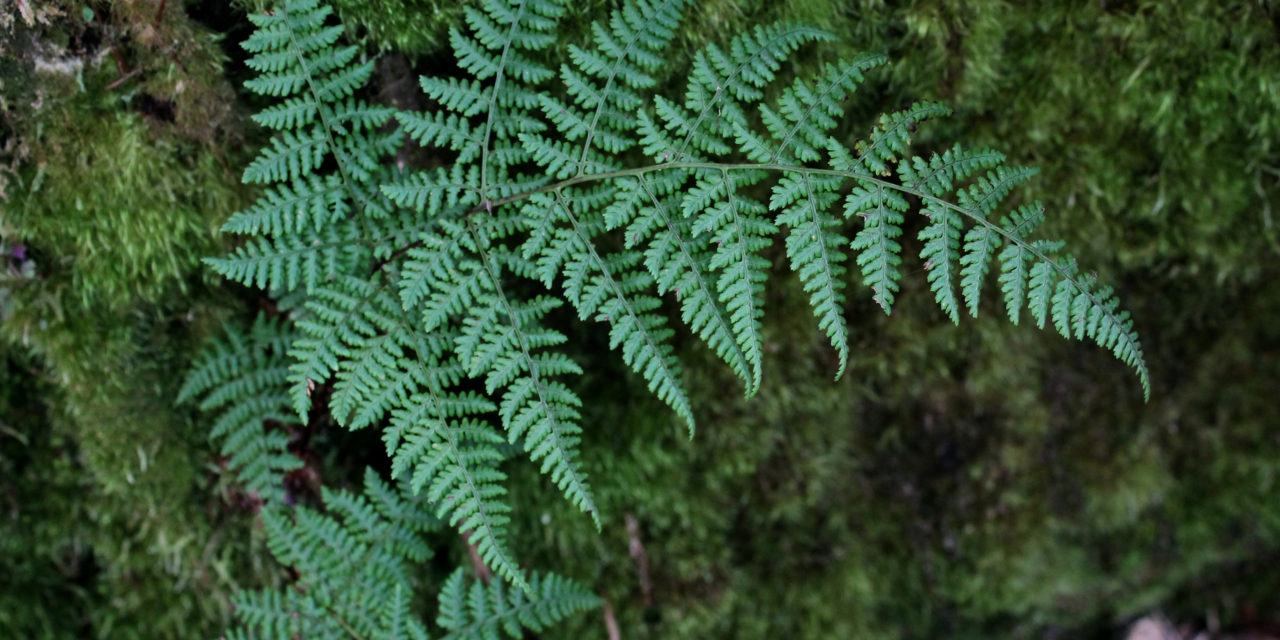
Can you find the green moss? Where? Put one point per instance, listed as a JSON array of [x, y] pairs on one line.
[[118, 184]]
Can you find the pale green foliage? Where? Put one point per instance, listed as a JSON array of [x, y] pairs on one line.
[[417, 284]]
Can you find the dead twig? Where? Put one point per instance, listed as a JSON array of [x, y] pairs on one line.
[[636, 547], [477, 563], [122, 79], [611, 622]]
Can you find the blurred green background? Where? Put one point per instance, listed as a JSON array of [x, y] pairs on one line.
[[962, 482]]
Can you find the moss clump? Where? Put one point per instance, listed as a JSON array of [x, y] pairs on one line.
[[120, 141]]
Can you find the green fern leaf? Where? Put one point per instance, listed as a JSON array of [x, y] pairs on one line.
[[892, 136], [678, 264], [814, 247], [734, 224], [606, 289], [481, 612], [245, 376], [352, 566], [941, 239], [879, 255], [409, 278]]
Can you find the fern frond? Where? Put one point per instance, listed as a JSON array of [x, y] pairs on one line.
[[288, 262], [814, 247], [454, 278], [383, 518], [359, 334], [451, 455], [244, 375], [941, 252], [352, 566], [288, 157], [879, 251], [982, 241], [304, 226], [807, 112], [409, 280], [310, 202], [481, 612], [603, 80], [720, 84], [397, 621], [891, 137], [501, 339]]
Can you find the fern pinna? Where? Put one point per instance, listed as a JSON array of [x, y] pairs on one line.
[[574, 180]]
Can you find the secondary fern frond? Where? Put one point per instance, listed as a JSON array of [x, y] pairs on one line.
[[358, 333], [734, 222], [352, 567], [243, 376], [353, 562], [879, 253], [502, 338], [647, 209]]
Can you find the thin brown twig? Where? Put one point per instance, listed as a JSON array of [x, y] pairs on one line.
[[159, 14], [477, 563], [611, 622], [122, 79], [636, 548], [111, 43]]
